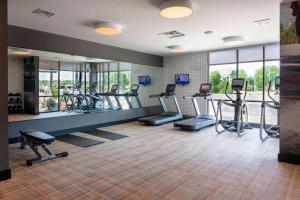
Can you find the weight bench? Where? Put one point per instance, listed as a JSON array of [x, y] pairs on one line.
[[34, 139]]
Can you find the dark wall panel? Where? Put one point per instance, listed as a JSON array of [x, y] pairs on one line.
[[4, 165], [31, 85], [289, 89], [59, 124], [37, 40]]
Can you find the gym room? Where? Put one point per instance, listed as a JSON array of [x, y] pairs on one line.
[[150, 99]]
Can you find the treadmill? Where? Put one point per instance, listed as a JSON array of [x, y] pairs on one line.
[[112, 93], [199, 121], [133, 93], [166, 116]]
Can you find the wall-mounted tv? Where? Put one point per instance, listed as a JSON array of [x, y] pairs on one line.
[[182, 79], [144, 80]]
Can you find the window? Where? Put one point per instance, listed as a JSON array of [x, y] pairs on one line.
[[258, 65], [219, 76], [66, 83], [251, 54], [48, 86], [124, 78], [222, 57]]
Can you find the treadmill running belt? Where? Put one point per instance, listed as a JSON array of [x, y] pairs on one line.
[[105, 134], [78, 141]]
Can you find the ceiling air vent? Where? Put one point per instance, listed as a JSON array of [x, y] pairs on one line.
[[263, 22], [43, 13], [172, 34]]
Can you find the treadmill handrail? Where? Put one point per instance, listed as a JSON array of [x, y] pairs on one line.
[[188, 97]]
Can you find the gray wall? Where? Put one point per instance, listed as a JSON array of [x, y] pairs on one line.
[[15, 74], [156, 86], [4, 165], [37, 40], [194, 64]]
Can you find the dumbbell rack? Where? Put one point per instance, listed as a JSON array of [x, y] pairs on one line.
[[15, 103]]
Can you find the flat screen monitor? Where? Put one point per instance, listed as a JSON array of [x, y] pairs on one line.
[[182, 79], [144, 80]]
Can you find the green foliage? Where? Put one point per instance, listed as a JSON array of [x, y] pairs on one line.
[[270, 73], [255, 83], [288, 35], [215, 79]]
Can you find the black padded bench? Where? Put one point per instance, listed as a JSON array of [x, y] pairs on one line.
[[34, 139]]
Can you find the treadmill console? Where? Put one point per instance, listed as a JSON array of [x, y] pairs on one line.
[[114, 88], [205, 89], [170, 90], [238, 84]]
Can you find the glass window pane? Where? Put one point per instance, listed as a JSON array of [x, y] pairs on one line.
[[219, 75], [253, 73], [272, 52], [48, 85], [88, 77], [113, 67], [272, 70], [251, 54], [221, 57], [47, 104], [254, 112]]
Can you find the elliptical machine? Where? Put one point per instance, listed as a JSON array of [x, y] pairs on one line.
[[240, 121], [272, 131], [95, 102]]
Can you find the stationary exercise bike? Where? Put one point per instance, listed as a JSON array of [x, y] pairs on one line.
[[81, 102], [240, 120], [271, 131]]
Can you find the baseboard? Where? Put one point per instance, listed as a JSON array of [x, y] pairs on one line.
[[289, 158], [5, 175]]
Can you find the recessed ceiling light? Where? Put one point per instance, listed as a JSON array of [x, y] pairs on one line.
[[208, 32], [234, 40], [177, 49], [107, 28], [176, 8], [22, 52]]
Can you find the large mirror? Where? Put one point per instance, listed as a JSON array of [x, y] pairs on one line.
[[77, 84]]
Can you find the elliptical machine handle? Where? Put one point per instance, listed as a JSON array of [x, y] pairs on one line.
[[246, 90], [269, 89], [226, 91]]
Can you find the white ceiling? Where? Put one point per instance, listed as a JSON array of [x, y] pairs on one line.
[[142, 22]]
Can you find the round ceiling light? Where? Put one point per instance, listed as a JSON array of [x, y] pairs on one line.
[[22, 52], [175, 9], [234, 40], [107, 28], [177, 49]]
